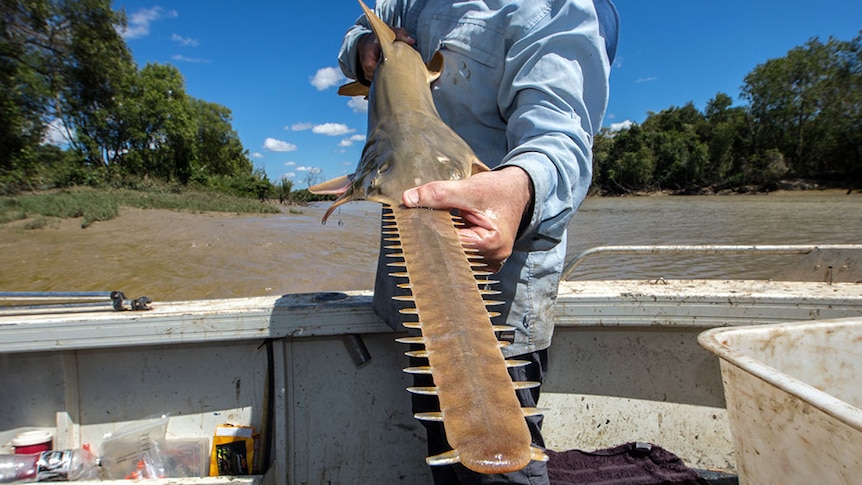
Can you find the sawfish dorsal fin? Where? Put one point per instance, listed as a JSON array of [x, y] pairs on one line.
[[385, 34], [386, 37]]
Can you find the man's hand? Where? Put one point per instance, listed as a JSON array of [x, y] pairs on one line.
[[369, 50], [491, 203]]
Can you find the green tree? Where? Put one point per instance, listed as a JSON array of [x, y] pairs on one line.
[[218, 145], [674, 137], [25, 33], [629, 163], [162, 126], [95, 70], [842, 109], [63, 64], [727, 139], [284, 189], [807, 106]]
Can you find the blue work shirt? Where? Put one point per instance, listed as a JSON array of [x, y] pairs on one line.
[[525, 83]]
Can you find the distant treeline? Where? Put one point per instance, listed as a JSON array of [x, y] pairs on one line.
[[66, 72], [803, 120]]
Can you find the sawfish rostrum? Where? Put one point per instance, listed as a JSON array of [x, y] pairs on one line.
[[408, 145]]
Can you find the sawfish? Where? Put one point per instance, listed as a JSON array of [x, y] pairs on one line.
[[408, 145]]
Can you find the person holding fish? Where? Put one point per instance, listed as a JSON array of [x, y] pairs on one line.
[[525, 84]]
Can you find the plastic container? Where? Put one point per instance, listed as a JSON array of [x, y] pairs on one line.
[[187, 457], [35, 441], [49, 466], [793, 400]]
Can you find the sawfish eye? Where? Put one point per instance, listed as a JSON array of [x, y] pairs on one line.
[[384, 167]]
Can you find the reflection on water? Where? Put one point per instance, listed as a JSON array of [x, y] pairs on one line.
[[178, 256], [790, 218]]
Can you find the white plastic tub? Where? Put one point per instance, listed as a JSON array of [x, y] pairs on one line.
[[794, 393]]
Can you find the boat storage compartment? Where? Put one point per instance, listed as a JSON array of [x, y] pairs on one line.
[[793, 399]]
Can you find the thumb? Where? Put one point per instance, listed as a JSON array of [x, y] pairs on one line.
[[433, 195]]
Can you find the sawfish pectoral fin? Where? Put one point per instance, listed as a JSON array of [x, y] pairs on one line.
[[435, 67], [477, 167], [537, 454], [353, 89], [338, 186]]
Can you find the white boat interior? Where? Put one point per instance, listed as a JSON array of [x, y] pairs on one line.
[[319, 376]]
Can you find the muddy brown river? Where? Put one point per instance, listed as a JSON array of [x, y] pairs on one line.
[[178, 256]]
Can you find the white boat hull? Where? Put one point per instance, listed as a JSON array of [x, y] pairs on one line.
[[625, 366]]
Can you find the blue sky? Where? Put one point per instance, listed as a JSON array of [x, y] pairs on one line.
[[273, 63]]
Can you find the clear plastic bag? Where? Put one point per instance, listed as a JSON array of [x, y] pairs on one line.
[[135, 450]]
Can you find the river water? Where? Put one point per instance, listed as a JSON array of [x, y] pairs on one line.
[[785, 218], [177, 256]]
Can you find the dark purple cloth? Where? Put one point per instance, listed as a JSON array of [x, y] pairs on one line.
[[628, 464]]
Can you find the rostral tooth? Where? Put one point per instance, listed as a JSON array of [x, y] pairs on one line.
[[428, 391], [422, 369], [410, 340], [429, 416], [526, 384]]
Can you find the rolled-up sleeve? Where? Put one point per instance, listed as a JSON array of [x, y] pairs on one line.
[[347, 56], [553, 95]]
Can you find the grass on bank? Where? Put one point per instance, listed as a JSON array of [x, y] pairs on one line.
[[104, 204]]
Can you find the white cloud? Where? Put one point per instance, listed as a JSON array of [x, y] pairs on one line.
[[183, 41], [289, 175], [257, 155], [623, 125], [350, 141], [326, 78], [646, 79], [289, 164], [303, 168], [332, 129], [138, 24], [300, 126], [182, 58], [358, 104], [275, 145]]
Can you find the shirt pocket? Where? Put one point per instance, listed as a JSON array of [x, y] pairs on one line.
[[473, 36]]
